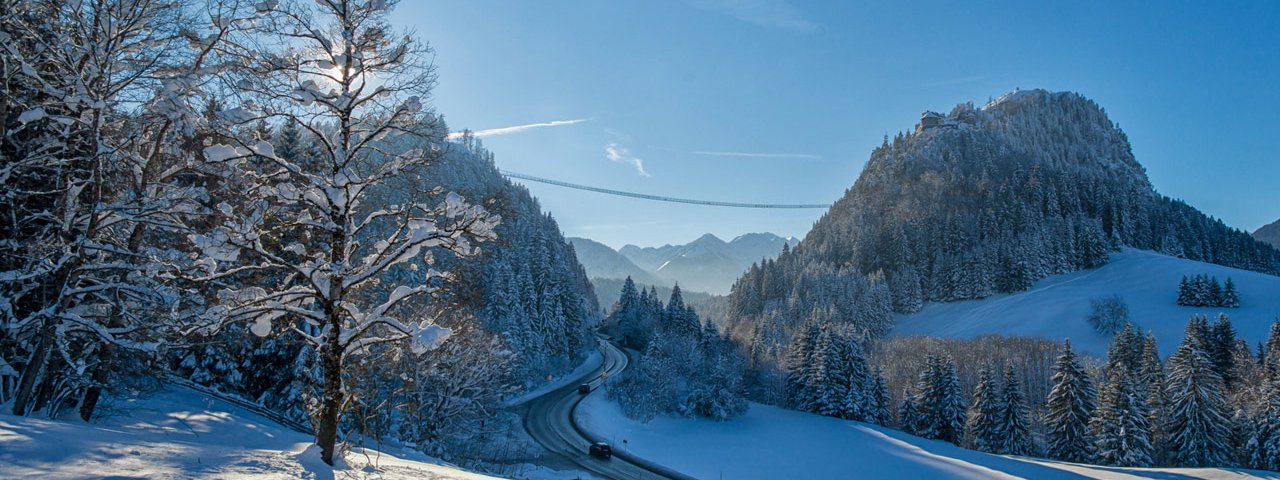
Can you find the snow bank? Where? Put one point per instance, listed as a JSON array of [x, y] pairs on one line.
[[1056, 307], [772, 443], [180, 434], [592, 362]]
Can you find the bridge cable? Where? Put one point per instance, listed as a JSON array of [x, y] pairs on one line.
[[658, 198]]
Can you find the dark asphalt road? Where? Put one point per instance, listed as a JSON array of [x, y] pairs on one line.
[[549, 420]]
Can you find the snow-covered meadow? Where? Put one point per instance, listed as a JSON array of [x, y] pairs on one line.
[[1056, 307], [773, 443]]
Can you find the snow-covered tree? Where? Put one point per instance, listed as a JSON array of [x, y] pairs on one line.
[[799, 368], [1221, 345], [841, 380], [1069, 407], [878, 396], [99, 99], [940, 402], [909, 412], [1015, 433], [1120, 428], [339, 73], [1263, 446], [982, 428], [1108, 314], [1151, 377], [1230, 296], [1198, 425]]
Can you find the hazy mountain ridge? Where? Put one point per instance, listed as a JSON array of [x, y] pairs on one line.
[[1269, 233], [602, 262], [707, 264]]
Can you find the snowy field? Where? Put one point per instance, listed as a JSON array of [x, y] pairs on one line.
[[772, 443], [1056, 307], [181, 434]]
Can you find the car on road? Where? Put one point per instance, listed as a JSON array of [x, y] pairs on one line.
[[584, 388], [600, 450]]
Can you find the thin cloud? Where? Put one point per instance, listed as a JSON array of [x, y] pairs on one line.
[[621, 155], [493, 132], [776, 14], [807, 156]]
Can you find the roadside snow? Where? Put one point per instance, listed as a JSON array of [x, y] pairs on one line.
[[181, 434], [1056, 307], [773, 443], [591, 363]]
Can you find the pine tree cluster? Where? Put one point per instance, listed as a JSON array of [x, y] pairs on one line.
[[997, 418], [1205, 291], [935, 408], [827, 373], [1213, 403], [687, 367]]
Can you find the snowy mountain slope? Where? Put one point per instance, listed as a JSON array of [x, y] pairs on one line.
[[975, 203], [771, 443], [181, 434], [707, 264], [1055, 307], [1269, 233], [649, 258], [600, 261]]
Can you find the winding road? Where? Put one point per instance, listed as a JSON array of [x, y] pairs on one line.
[[549, 420]]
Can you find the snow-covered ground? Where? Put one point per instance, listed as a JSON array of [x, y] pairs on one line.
[[590, 363], [773, 443], [1056, 307], [181, 434]]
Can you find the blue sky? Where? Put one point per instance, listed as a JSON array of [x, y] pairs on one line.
[[782, 102]]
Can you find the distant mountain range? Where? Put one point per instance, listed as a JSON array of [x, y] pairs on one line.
[[707, 264], [1269, 233]]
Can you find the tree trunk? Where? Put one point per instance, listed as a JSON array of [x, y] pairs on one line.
[[94, 392], [331, 399], [34, 371]]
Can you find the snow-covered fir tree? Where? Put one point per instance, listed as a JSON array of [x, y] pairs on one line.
[[800, 368], [1120, 428], [1015, 433], [1263, 446], [1151, 377], [1230, 296], [940, 401], [982, 428], [1198, 424], [840, 380], [878, 396], [1069, 407], [1221, 346]]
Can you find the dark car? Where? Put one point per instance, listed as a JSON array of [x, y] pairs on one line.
[[601, 450], [584, 388]]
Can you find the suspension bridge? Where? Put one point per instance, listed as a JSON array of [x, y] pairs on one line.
[[658, 198]]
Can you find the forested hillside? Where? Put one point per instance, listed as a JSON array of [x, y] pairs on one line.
[[976, 202]]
